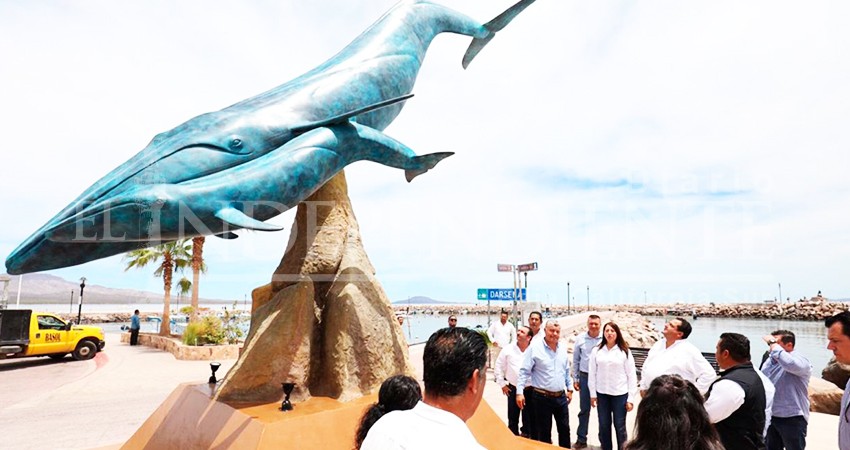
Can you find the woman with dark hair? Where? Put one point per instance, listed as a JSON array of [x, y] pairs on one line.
[[399, 392], [612, 382], [672, 416]]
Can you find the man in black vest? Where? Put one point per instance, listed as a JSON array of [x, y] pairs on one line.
[[736, 401]]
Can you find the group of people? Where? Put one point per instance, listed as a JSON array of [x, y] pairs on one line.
[[684, 405]]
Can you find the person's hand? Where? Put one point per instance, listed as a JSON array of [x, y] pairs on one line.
[[768, 338], [520, 401], [593, 402], [629, 406], [569, 396], [642, 394], [576, 385], [506, 390]]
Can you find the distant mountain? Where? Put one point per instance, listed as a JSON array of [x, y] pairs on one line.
[[45, 288], [422, 300]]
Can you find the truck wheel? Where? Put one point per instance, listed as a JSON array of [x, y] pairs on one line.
[[85, 350], [57, 355]]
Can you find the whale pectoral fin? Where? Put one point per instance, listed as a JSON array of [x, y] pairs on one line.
[[427, 162], [227, 235], [493, 26], [343, 118], [241, 220]]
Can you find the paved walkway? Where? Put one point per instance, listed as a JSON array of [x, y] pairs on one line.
[[102, 402]]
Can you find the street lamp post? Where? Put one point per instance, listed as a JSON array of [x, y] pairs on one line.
[[568, 297], [780, 292], [80, 304], [588, 298]]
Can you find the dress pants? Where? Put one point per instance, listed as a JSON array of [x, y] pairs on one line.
[[584, 408], [787, 432], [609, 406], [134, 336], [545, 410], [528, 417], [514, 414]]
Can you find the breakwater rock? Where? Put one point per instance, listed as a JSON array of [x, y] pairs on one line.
[[814, 309]]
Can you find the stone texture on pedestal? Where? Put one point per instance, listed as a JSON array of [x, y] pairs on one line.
[[324, 322]]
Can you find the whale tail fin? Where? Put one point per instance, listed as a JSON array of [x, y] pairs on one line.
[[425, 163], [493, 26]]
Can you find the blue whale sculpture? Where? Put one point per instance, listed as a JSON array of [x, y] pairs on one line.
[[246, 163]]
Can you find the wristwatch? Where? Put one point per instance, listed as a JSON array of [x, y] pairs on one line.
[[771, 342]]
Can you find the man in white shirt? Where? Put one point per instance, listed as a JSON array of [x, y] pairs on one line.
[[506, 373], [736, 402], [454, 376], [501, 334], [674, 355]]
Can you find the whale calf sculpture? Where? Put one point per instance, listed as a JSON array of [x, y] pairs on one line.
[[213, 173]]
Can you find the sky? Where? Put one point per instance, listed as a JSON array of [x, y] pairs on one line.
[[640, 151]]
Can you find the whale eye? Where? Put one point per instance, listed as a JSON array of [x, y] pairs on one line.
[[236, 143]]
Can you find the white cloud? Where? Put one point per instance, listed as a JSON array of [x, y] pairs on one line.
[[727, 118]]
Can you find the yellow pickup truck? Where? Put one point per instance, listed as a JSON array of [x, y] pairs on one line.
[[26, 333]]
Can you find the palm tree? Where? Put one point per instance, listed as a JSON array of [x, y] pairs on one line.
[[184, 286], [174, 255], [198, 266]]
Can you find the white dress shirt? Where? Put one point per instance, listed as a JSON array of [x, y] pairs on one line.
[[727, 396], [612, 372], [769, 392], [502, 334], [508, 364], [422, 428], [683, 359]]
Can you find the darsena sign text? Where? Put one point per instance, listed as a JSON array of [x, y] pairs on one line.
[[501, 294]]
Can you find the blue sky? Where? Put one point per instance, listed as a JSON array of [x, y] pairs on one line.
[[695, 152]]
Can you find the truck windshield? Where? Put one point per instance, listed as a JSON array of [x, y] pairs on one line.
[[50, 323]]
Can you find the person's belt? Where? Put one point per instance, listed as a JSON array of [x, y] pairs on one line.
[[550, 394]]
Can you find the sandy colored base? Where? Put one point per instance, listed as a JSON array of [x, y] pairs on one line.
[[190, 419]]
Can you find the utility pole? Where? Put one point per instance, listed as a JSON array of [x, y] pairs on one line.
[[80, 310]]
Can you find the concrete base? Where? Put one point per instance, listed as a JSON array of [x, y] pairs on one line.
[[190, 419]]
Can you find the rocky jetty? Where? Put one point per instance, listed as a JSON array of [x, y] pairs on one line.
[[813, 309]]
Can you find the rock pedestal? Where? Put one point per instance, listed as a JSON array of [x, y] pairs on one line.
[[324, 322]]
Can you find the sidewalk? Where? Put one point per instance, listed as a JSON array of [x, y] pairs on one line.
[[88, 404]]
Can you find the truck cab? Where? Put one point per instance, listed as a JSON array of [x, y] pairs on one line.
[[25, 333]]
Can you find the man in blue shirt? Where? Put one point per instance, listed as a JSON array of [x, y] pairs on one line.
[[135, 325], [581, 356], [546, 368], [789, 372], [838, 333]]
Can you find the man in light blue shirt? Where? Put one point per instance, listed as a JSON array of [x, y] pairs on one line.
[[838, 333], [581, 356], [789, 372], [546, 368]]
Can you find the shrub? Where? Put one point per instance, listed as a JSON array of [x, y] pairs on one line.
[[209, 330]]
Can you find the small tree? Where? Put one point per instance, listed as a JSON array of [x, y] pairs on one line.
[[174, 256]]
